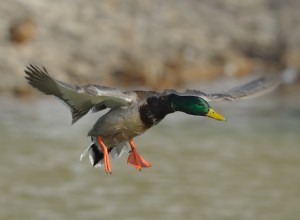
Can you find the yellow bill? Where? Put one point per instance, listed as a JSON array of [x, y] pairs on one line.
[[212, 114]]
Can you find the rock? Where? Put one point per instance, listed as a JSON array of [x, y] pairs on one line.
[[22, 91], [22, 31]]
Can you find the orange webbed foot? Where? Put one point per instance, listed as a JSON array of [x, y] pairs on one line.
[[105, 155], [135, 159]]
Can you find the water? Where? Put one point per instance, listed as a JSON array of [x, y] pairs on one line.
[[245, 168]]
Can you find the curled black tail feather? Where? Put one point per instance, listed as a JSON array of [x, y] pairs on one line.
[[96, 154]]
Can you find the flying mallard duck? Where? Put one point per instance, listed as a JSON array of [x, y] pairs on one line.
[[133, 112]]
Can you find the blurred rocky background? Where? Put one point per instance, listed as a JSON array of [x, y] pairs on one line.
[[153, 43]]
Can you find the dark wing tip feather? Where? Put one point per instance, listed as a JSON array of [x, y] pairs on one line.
[[35, 71], [40, 79]]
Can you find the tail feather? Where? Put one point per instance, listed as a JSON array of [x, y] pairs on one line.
[[96, 155]]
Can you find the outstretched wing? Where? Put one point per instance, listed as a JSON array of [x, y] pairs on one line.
[[252, 89], [80, 99]]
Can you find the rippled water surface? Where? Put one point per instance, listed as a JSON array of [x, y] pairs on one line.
[[245, 168]]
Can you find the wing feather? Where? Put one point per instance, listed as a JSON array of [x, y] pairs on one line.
[[252, 89], [249, 90], [80, 99]]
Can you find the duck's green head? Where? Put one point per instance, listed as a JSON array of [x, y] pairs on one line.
[[194, 105]]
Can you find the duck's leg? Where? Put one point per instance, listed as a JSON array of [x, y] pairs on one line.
[[135, 159], [105, 155]]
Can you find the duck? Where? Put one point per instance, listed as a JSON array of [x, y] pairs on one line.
[[131, 113]]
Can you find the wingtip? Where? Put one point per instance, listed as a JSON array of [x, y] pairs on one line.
[[271, 82], [33, 68]]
